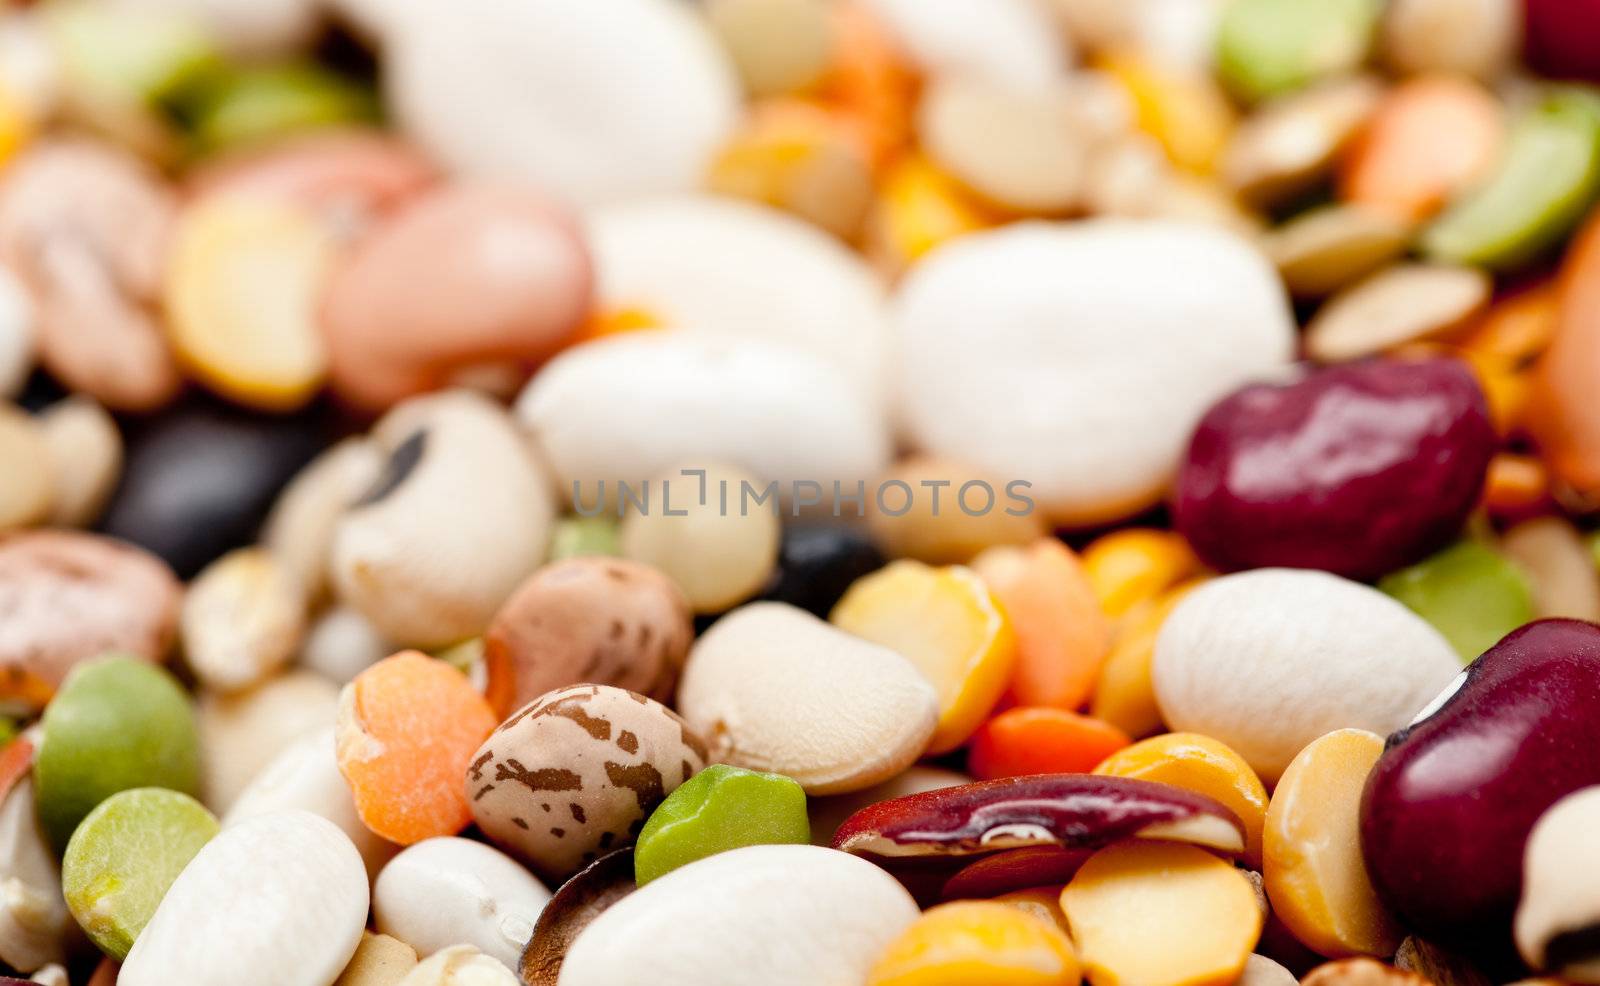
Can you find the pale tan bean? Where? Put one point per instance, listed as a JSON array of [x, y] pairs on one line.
[[1292, 143], [342, 643], [1559, 566], [242, 620], [86, 459], [778, 46], [380, 961], [27, 484], [1466, 37], [240, 734], [299, 531], [1326, 249], [33, 915], [1402, 304]]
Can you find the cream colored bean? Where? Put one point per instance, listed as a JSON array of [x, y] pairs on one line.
[[242, 733], [1467, 37], [241, 621], [449, 891], [1326, 249], [381, 961], [306, 776], [341, 643], [778, 46], [1021, 149], [773, 688], [1559, 566], [460, 516], [1292, 143], [85, 457], [1403, 304], [720, 550], [27, 486], [460, 965], [17, 333], [277, 900], [34, 920], [1560, 899]]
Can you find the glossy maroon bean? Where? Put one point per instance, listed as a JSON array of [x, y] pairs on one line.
[[1015, 869], [1561, 38], [1072, 811], [1449, 805], [1356, 469]]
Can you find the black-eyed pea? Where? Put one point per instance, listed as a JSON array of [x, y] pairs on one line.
[[705, 536], [773, 688], [593, 620], [27, 489], [450, 891], [34, 919], [85, 457], [1559, 913], [575, 773], [301, 526], [341, 643], [1404, 303], [460, 515], [381, 960], [242, 620], [300, 922], [241, 733]]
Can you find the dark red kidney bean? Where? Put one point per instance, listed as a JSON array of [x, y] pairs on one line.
[[818, 562], [1356, 469], [201, 476], [1561, 38], [1448, 807]]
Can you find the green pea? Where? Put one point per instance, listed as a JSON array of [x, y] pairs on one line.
[[123, 857], [718, 809], [117, 723], [1469, 592], [257, 103], [463, 656], [1269, 47], [583, 537], [1546, 181]]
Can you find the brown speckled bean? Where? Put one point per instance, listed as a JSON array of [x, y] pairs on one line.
[[575, 774]]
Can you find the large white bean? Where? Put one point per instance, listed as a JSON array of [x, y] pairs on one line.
[[726, 267], [772, 687], [595, 102], [1103, 341], [1268, 660], [276, 900], [774, 915], [449, 891], [629, 408]]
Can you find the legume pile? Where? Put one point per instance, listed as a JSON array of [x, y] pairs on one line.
[[799, 492]]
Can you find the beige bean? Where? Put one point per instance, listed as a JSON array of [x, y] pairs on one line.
[[1292, 143], [460, 965], [1404, 303], [379, 961], [1021, 149], [86, 459], [1326, 249], [242, 620], [1559, 566], [17, 334], [1466, 37], [27, 485], [34, 920], [341, 643], [450, 891], [778, 46], [241, 733], [717, 551], [949, 523], [1560, 905]]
